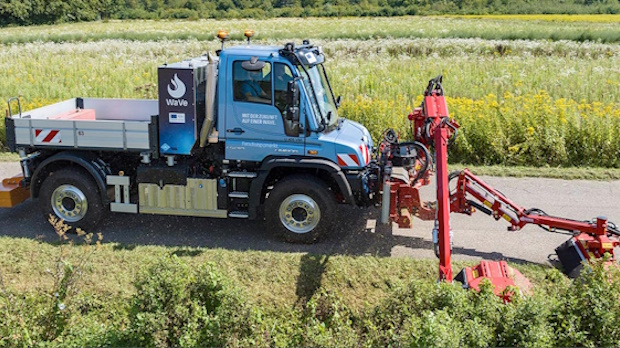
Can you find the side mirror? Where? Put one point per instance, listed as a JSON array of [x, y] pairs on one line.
[[292, 101], [292, 113], [338, 101], [292, 95]]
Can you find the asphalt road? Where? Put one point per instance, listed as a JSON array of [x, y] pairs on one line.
[[475, 237]]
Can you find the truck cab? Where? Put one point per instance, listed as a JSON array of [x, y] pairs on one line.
[[297, 113], [252, 132]]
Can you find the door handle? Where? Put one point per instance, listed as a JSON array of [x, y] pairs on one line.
[[236, 130]]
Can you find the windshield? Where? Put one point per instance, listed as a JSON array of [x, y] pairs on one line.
[[320, 95]]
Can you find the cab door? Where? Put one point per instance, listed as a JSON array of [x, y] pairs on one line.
[[256, 122]]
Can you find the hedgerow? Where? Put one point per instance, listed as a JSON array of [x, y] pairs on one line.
[[176, 304], [14, 12]]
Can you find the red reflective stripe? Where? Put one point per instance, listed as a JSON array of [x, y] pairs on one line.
[[354, 158], [341, 162], [50, 136], [37, 132], [365, 154]]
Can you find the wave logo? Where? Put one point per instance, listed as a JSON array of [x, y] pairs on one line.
[[178, 89]]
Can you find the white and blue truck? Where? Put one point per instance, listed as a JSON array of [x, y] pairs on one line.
[[250, 132]]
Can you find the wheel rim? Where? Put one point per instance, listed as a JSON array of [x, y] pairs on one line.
[[299, 213], [69, 203]]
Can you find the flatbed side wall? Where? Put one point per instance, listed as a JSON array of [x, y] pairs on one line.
[[120, 124], [119, 135]]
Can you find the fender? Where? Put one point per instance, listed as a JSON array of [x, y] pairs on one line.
[[91, 163], [270, 163]]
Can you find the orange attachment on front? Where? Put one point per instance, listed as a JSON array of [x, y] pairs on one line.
[[11, 194]]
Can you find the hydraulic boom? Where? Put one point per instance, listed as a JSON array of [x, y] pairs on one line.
[[433, 132]]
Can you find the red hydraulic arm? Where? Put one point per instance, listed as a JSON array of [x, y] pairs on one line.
[[590, 236], [443, 204], [433, 131], [435, 128]]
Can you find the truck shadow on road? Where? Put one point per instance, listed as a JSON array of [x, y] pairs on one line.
[[353, 236]]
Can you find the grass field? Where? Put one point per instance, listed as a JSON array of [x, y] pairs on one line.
[[520, 102], [589, 28], [588, 18]]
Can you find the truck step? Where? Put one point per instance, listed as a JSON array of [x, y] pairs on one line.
[[238, 194], [245, 175], [238, 214]]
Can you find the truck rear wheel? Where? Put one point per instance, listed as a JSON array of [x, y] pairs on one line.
[[300, 209], [72, 196]]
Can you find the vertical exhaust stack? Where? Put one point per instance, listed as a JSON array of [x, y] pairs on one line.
[[207, 125]]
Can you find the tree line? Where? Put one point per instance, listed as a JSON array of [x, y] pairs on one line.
[[29, 12]]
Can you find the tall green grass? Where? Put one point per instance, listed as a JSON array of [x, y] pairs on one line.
[[574, 124], [383, 69], [363, 28]]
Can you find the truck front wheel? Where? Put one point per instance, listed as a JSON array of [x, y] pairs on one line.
[[300, 209], [72, 196]]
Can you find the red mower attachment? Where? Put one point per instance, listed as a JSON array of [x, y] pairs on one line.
[[409, 165], [498, 273]]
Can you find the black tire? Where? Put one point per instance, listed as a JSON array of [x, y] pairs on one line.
[[303, 198], [73, 190]]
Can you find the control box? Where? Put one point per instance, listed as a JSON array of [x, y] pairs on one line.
[[182, 88]]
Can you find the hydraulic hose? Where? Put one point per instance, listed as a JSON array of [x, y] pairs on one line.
[[427, 157]]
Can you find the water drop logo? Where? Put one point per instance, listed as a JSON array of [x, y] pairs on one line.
[[177, 90]]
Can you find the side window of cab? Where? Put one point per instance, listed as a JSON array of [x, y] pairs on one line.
[[283, 76], [252, 81]]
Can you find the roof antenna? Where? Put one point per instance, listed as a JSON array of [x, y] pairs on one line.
[[223, 36], [248, 33]]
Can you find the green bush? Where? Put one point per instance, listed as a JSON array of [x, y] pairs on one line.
[[179, 13], [183, 304], [590, 309], [177, 305], [583, 312], [328, 322]]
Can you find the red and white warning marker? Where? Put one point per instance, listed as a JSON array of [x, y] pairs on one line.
[[365, 153], [352, 160], [47, 136], [348, 160]]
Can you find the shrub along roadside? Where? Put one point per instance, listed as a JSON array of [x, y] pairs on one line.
[[178, 303]]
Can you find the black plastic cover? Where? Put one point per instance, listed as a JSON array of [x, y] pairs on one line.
[[570, 258]]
